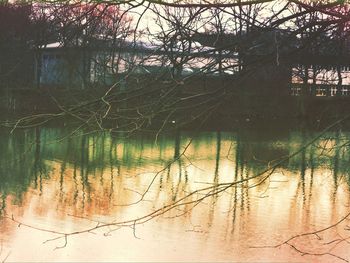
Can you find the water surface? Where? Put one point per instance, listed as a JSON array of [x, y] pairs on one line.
[[59, 181]]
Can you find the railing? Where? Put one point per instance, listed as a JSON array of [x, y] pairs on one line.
[[319, 90]]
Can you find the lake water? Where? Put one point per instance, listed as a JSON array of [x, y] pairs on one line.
[[72, 196]]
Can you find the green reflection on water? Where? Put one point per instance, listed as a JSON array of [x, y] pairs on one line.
[[25, 154]]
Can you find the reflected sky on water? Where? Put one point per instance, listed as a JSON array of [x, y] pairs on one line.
[[72, 183]]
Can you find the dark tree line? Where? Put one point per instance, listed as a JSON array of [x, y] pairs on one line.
[[187, 45]]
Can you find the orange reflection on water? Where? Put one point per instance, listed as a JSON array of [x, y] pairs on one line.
[[222, 227]]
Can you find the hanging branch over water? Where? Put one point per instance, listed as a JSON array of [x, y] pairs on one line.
[[224, 29], [195, 198], [316, 233], [1, 252]]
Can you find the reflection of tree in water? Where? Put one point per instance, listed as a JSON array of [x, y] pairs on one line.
[[21, 163], [94, 154], [100, 173]]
